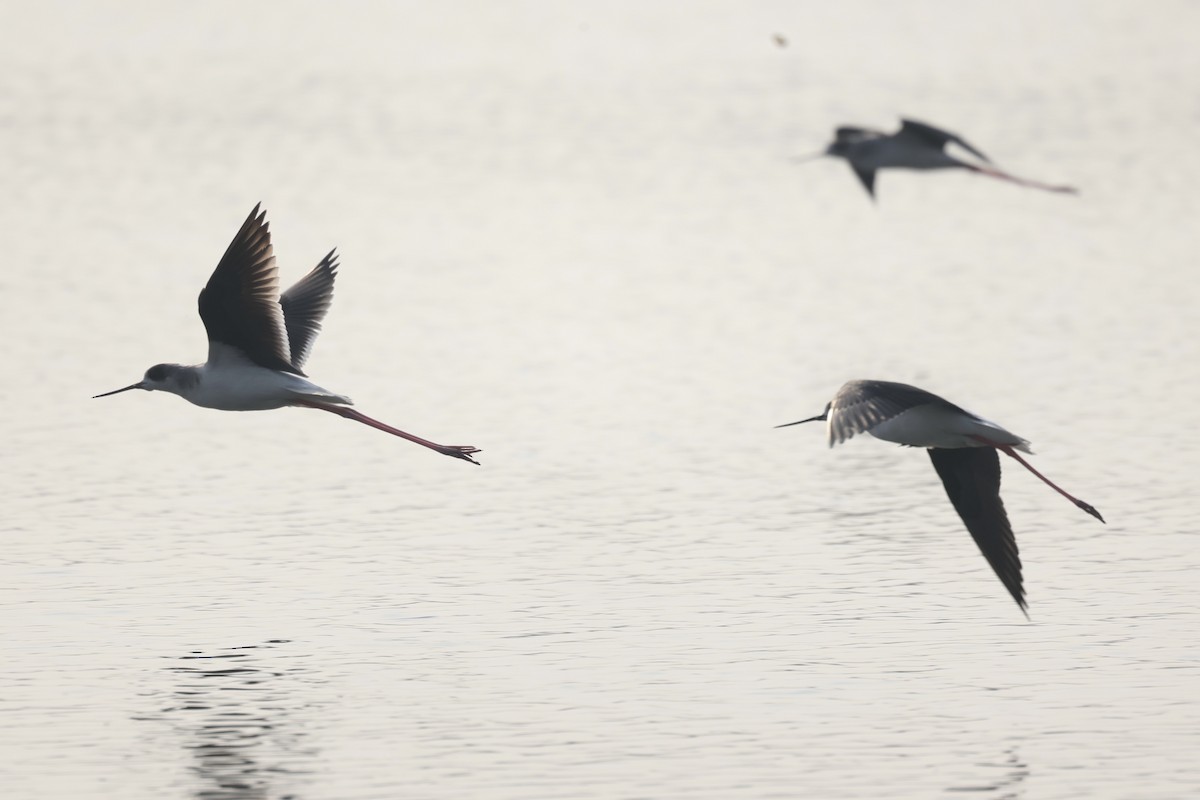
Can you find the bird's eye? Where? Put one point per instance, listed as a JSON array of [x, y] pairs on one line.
[[156, 373]]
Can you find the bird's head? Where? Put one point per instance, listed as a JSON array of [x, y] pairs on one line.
[[846, 138], [838, 148], [159, 378]]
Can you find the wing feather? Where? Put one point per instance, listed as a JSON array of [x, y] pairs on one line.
[[240, 304], [971, 476], [866, 176], [937, 137], [861, 405], [305, 304]]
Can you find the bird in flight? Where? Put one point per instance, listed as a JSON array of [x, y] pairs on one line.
[[962, 447], [915, 146], [259, 339]]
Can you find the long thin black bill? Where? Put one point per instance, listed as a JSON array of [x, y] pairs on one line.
[[818, 418], [118, 391]]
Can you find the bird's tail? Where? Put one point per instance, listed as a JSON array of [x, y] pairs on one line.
[[310, 391]]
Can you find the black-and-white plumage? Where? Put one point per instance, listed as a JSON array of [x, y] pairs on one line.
[[962, 447], [259, 339], [241, 305]]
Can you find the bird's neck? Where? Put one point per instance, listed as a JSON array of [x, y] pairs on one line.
[[185, 380]]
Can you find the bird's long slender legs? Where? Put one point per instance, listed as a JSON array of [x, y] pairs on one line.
[[454, 450], [1006, 449], [1004, 176]]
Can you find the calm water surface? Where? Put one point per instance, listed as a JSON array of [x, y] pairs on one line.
[[573, 236]]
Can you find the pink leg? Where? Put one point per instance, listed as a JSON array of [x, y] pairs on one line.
[[457, 451], [1007, 450], [1004, 176]]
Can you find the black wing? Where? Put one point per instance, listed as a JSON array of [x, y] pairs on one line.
[[847, 134], [867, 176], [971, 476], [937, 137], [861, 405], [304, 306], [240, 305]]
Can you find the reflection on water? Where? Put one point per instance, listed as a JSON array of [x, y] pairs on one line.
[[1010, 785], [231, 708]]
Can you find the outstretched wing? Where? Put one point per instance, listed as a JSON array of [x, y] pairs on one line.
[[240, 304], [937, 137], [971, 476], [304, 306], [861, 405]]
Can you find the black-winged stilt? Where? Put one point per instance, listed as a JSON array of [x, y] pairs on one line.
[[915, 146], [258, 339], [963, 449]]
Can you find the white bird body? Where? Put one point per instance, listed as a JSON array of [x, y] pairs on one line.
[[233, 382], [935, 426], [259, 339], [255, 389]]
